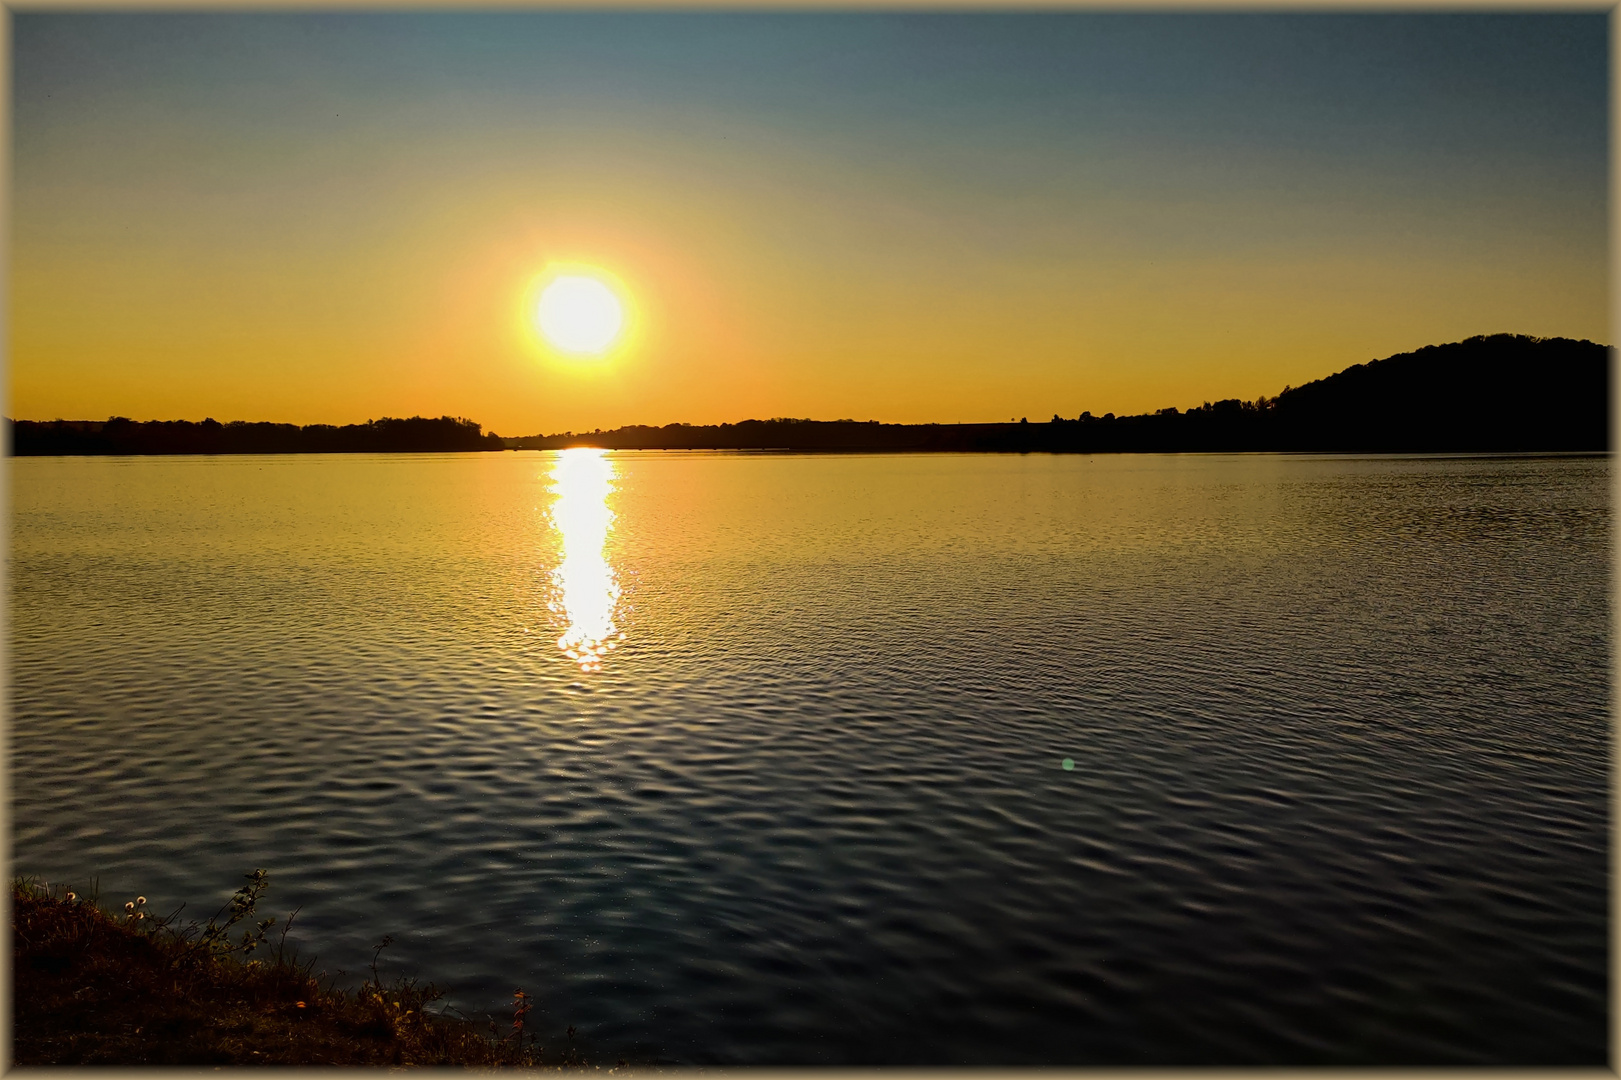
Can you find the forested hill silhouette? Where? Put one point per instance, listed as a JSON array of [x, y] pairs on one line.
[[1504, 392], [120, 435]]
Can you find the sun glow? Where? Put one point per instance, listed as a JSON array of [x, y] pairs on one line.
[[586, 587], [579, 311]]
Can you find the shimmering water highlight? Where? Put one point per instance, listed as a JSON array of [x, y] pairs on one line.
[[587, 588]]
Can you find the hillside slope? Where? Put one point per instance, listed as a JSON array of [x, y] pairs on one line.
[[1503, 392]]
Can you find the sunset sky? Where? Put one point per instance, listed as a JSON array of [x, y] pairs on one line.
[[327, 217]]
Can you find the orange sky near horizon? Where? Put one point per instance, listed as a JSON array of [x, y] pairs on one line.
[[182, 251]]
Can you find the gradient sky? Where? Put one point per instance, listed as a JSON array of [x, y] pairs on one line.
[[327, 217]]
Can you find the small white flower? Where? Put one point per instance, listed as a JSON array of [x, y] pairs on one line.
[[72, 897], [130, 906], [140, 901]]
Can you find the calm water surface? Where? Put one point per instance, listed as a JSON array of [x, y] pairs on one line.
[[759, 759]]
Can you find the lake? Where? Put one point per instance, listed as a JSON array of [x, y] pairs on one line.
[[795, 759]]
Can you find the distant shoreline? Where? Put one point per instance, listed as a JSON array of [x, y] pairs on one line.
[[1499, 394], [123, 436]]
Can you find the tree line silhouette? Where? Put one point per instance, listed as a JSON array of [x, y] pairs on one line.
[[121, 435], [1504, 392]]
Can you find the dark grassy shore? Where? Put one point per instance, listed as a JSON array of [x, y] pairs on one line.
[[92, 987]]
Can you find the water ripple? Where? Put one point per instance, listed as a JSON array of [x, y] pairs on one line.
[[1339, 732]]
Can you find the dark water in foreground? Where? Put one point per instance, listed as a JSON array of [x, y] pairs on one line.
[[1338, 730]]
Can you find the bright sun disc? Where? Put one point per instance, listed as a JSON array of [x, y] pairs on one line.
[[579, 314]]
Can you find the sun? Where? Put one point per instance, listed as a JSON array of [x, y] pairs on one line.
[[579, 312]]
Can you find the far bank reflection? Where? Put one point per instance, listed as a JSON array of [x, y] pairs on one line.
[[586, 588]]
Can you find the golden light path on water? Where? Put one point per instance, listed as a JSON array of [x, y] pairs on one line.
[[586, 589]]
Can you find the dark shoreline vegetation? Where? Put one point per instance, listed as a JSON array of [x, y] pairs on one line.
[[1503, 393], [121, 435], [92, 987], [1498, 393]]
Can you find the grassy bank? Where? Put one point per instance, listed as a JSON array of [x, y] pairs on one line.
[[125, 987]]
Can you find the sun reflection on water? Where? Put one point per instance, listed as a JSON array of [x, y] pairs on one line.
[[586, 590]]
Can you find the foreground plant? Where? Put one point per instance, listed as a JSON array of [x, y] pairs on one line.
[[100, 988]]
